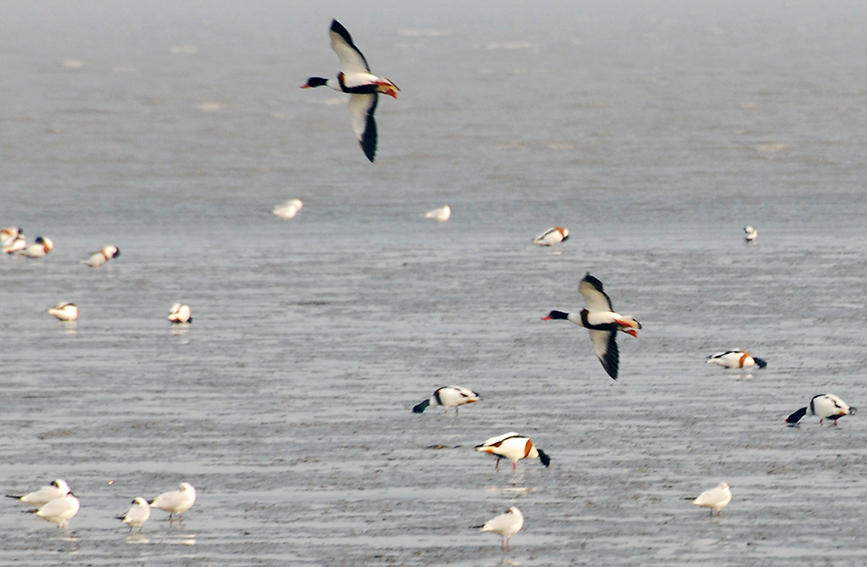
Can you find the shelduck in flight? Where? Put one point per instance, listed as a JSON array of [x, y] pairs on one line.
[[600, 319], [363, 87]]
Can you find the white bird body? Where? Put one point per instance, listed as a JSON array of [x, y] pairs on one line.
[[40, 249], [65, 311], [363, 87], [506, 525], [177, 501], [97, 259], [288, 209], [602, 322], [736, 358], [823, 406], [8, 235], [514, 447], [137, 515], [552, 236], [751, 234], [57, 489], [181, 313], [449, 397], [60, 510], [440, 214], [716, 498], [14, 245]]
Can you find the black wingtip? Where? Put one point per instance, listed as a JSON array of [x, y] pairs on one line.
[[15, 497], [796, 416], [593, 281], [759, 362], [546, 460], [419, 408]]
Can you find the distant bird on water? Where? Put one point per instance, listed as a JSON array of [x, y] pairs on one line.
[[44, 495], [513, 447], [288, 209], [552, 236], [751, 234], [506, 525], [716, 498], [97, 259], [8, 235], [40, 249], [64, 311], [14, 244], [737, 358], [448, 397], [600, 319], [181, 313], [440, 214], [824, 406], [363, 87]]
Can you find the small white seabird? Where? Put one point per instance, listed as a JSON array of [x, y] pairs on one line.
[[363, 87], [60, 510], [137, 514], [40, 249], [440, 214], [449, 397], [14, 245], [736, 358], [552, 236], [751, 234], [177, 501], [97, 259], [513, 447], [824, 406], [64, 311], [181, 313], [716, 498], [44, 495], [288, 209], [506, 525], [600, 319]]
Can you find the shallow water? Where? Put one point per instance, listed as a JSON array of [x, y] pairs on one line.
[[287, 401]]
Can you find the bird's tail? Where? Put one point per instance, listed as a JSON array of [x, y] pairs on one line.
[[419, 408], [546, 460], [15, 497], [796, 416], [759, 362]]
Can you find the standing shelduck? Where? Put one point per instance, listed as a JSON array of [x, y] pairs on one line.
[[506, 525], [513, 447], [600, 319], [448, 397], [716, 498], [181, 313], [97, 259], [824, 406], [552, 236], [363, 87], [737, 358]]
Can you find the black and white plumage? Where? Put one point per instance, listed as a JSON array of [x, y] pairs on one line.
[[737, 358], [506, 525], [64, 311], [824, 406], [363, 87], [514, 447], [60, 510], [180, 313], [44, 495], [751, 234], [552, 236], [39, 249], [137, 515], [15, 244], [176, 501], [716, 498], [7, 235], [97, 259], [448, 397], [600, 319]]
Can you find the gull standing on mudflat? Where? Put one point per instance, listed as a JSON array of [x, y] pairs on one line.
[[60, 510], [137, 514], [506, 525], [177, 501], [65, 311], [600, 319], [363, 87], [824, 406], [737, 358], [97, 259], [716, 498], [513, 447], [449, 397], [44, 495], [552, 236]]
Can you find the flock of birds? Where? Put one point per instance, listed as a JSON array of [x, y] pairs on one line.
[[57, 504]]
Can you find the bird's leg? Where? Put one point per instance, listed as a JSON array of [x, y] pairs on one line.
[[498, 464], [821, 421], [514, 466]]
